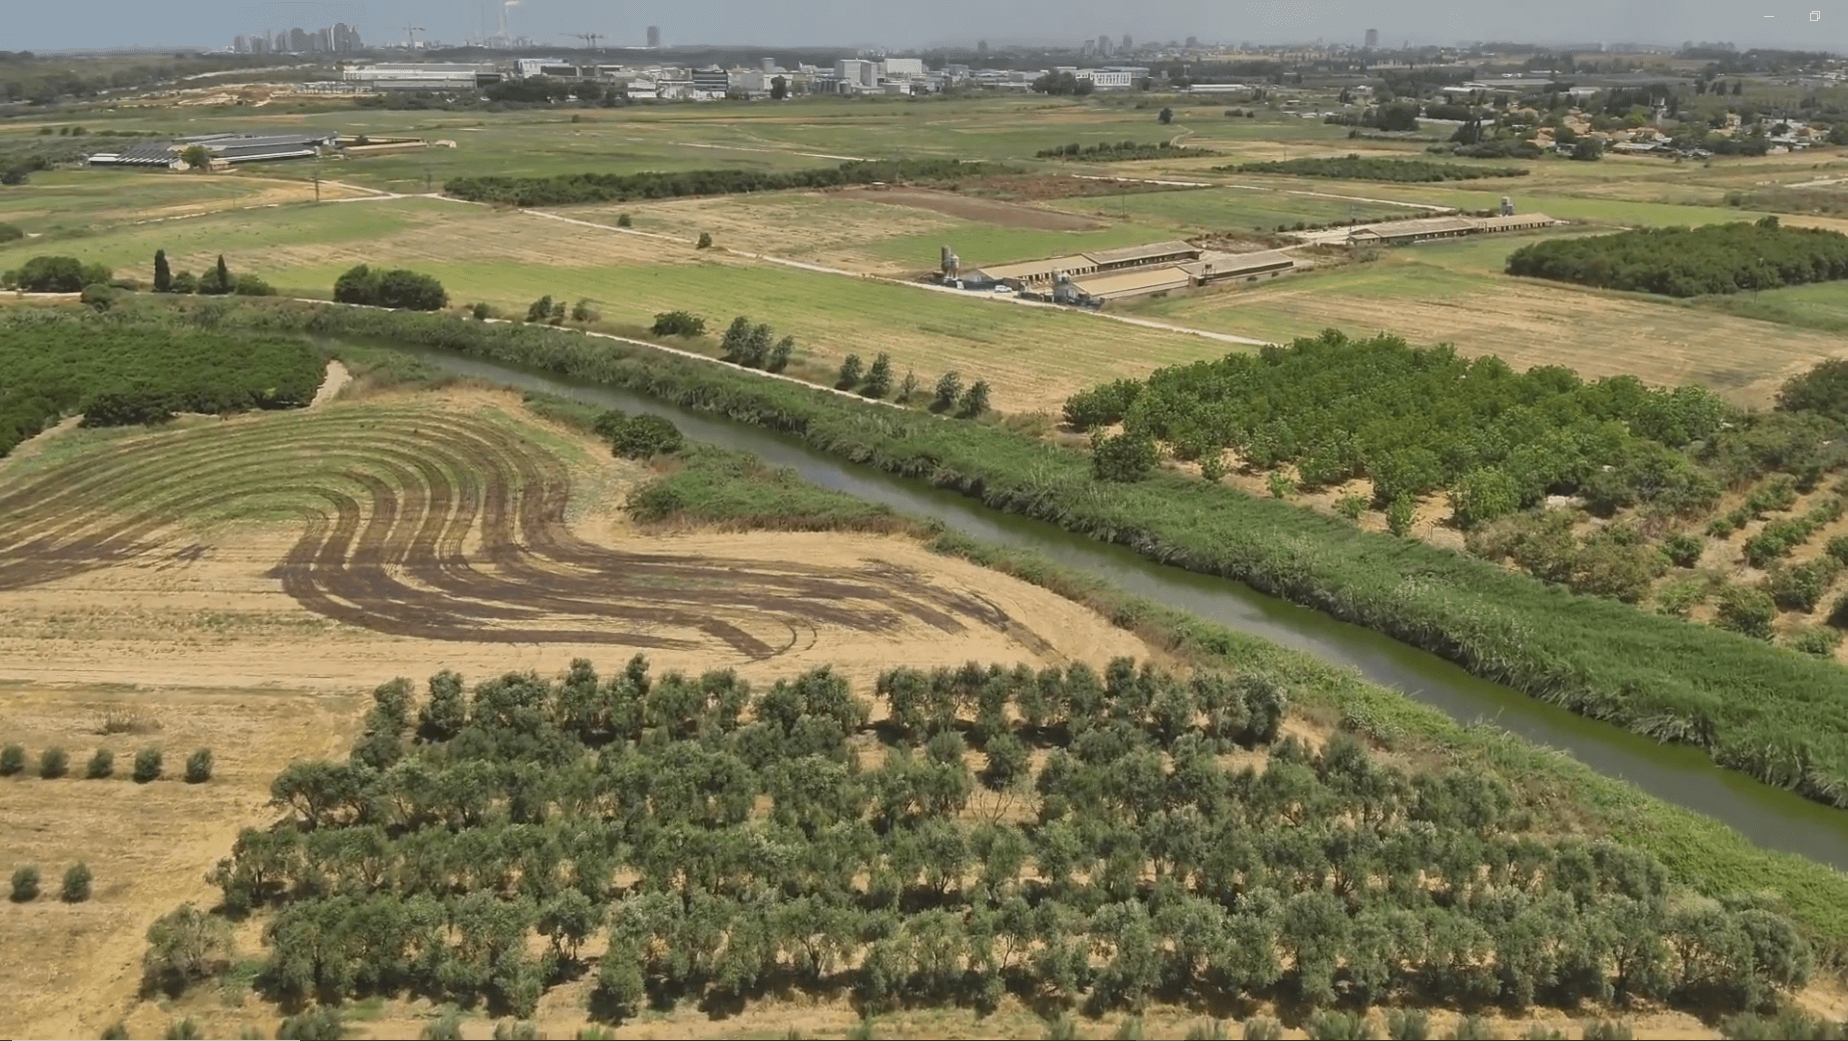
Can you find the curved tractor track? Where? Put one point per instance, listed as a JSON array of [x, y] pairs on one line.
[[440, 527]]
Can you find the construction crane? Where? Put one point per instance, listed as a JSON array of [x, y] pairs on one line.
[[590, 39], [411, 41]]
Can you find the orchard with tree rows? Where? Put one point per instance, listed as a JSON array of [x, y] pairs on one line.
[[1080, 839]]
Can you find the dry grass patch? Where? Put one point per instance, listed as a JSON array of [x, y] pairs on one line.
[[74, 968]]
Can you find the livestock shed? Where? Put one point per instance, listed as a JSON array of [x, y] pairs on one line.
[[1424, 229], [1143, 256], [224, 149], [1219, 267], [1123, 285], [150, 155], [1035, 272]]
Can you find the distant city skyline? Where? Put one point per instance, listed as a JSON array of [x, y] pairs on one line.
[[956, 23]]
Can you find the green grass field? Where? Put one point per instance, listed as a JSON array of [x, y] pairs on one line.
[[1233, 209]]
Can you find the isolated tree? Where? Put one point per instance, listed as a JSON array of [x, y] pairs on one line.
[[779, 355], [12, 760], [974, 401], [737, 336], [779, 88], [147, 765], [540, 309], [25, 883], [949, 389], [76, 888], [878, 376], [623, 220], [196, 157], [102, 765], [1165, 116], [853, 370], [199, 766], [581, 312], [705, 241], [163, 275], [54, 763]]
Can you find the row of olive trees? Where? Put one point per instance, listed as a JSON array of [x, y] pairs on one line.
[[75, 890], [731, 841], [55, 762]]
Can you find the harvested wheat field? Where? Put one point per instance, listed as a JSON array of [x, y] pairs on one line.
[[241, 585], [415, 533], [148, 846]]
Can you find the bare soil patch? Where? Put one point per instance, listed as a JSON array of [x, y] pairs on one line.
[[991, 211], [365, 540]]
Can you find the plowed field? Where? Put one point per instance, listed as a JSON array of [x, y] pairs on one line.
[[434, 527]]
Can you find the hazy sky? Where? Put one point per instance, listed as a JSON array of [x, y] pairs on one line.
[[917, 23]]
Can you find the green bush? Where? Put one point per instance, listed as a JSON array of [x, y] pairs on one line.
[[1400, 514], [396, 288], [54, 762], [251, 285], [60, 275], [1329, 1025], [1408, 1024], [1747, 611], [1471, 1028], [10, 233], [12, 760], [1122, 457], [1280, 484], [639, 436], [1818, 640], [320, 1023], [186, 1029], [102, 765], [147, 765], [705, 241], [1352, 506], [25, 883], [1684, 549], [199, 766], [1262, 1028], [853, 370], [184, 946], [1608, 1030], [624, 221], [1798, 587], [76, 888], [878, 377], [678, 323], [974, 401], [949, 391]]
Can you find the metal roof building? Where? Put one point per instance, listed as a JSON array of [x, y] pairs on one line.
[[1213, 267], [1138, 256], [1123, 284]]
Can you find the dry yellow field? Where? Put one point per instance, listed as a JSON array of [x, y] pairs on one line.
[[204, 634]]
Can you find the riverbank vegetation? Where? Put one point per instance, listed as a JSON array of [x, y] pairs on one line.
[[1091, 841], [119, 373], [1354, 167], [1716, 258], [564, 189], [1776, 715]]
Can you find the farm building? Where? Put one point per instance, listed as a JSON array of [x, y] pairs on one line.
[[1127, 285], [1143, 256], [1107, 275], [225, 149], [1425, 229], [1219, 267]]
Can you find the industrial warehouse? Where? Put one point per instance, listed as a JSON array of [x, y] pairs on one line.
[[1107, 276]]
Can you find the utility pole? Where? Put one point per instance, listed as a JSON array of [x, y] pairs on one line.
[[317, 186], [427, 189]]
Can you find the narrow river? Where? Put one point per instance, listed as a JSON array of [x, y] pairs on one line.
[[1767, 816]]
